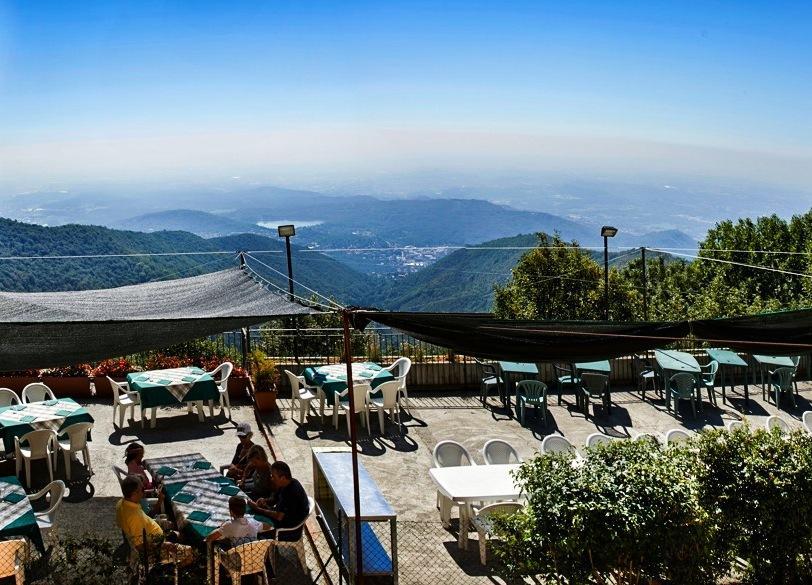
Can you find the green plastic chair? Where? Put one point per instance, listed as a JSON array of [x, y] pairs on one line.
[[534, 393], [594, 386], [682, 386], [564, 376], [709, 381], [781, 382]]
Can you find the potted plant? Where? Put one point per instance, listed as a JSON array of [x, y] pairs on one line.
[[238, 383], [73, 380], [18, 379], [265, 376], [160, 361], [116, 368]]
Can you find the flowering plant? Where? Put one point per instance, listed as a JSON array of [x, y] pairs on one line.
[[20, 374], [115, 368], [160, 361], [71, 371]]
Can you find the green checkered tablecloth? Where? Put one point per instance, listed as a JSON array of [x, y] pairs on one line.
[[333, 378], [16, 514], [19, 419], [199, 499], [173, 386]]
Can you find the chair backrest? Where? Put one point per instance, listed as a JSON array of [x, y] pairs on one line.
[[361, 394], [532, 389], [400, 368], [8, 397], [557, 444], [117, 388], [782, 377], [807, 420], [497, 452], [640, 364], [796, 359], [310, 509], [12, 556], [595, 384], [120, 473], [252, 556], [54, 491], [488, 370], [734, 424], [710, 375], [499, 508], [676, 436], [683, 384], [776, 422], [294, 384], [77, 434], [389, 392], [37, 392], [38, 442], [596, 439], [562, 370], [451, 454], [223, 369]]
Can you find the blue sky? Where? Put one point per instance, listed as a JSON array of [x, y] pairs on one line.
[[121, 88]]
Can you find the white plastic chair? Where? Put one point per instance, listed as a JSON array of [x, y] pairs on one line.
[[123, 399], [120, 473], [46, 520], [807, 420], [387, 400], [302, 394], [37, 392], [242, 560], [449, 454], [776, 422], [76, 442], [13, 554], [400, 369], [557, 444], [734, 424], [596, 439], [360, 405], [224, 370], [499, 452], [297, 545], [8, 397], [675, 436], [39, 444], [483, 522]]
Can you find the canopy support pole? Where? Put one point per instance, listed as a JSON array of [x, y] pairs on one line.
[[356, 493], [645, 284]]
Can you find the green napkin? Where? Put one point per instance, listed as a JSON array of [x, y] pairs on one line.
[[198, 516], [184, 497], [230, 490], [166, 471], [13, 497], [189, 378], [202, 465], [18, 407], [50, 402], [141, 378], [342, 377], [374, 367], [164, 382], [366, 374], [28, 418], [64, 412]]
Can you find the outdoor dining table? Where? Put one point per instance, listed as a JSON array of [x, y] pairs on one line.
[[765, 362], [16, 514], [332, 378], [728, 360], [672, 362], [511, 370], [475, 483], [19, 419], [599, 367], [172, 387]]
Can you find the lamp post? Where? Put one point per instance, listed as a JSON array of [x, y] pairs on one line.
[[286, 231], [607, 232]]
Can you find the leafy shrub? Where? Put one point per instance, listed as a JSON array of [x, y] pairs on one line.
[[115, 368], [83, 560], [160, 361], [264, 371], [20, 373]]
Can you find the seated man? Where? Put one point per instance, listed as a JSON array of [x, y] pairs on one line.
[[135, 524], [239, 529], [290, 506]]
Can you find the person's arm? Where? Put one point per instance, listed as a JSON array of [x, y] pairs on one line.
[[246, 473], [216, 535], [157, 506], [259, 509]]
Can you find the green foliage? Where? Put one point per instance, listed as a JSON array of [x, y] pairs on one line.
[[263, 371], [85, 560], [559, 280]]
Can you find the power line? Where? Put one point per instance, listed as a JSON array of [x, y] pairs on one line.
[[303, 300], [298, 283], [719, 260]]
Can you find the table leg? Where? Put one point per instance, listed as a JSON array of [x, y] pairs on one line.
[[463, 539], [153, 420], [200, 416], [746, 393]]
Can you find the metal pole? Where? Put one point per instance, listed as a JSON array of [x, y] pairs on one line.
[[356, 494], [290, 268], [606, 278], [645, 285]]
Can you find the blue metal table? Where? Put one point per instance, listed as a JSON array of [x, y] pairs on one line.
[[729, 359]]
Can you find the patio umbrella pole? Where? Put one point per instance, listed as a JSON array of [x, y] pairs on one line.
[[356, 494]]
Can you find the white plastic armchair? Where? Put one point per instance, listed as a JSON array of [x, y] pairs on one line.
[[54, 491], [483, 522], [123, 399], [13, 554], [243, 560], [301, 393], [807, 420], [37, 392], [360, 405], [75, 442], [498, 452], [675, 436], [596, 439], [8, 397], [449, 454], [734, 424], [557, 444], [776, 422], [400, 369], [224, 371], [385, 398], [120, 473], [39, 444], [297, 545]]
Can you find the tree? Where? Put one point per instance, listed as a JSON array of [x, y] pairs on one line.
[[559, 280]]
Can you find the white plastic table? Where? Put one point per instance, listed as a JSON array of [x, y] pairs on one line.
[[475, 483]]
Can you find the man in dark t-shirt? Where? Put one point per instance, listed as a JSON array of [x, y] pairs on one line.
[[289, 506]]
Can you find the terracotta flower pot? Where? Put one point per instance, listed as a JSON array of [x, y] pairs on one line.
[[78, 387], [17, 383], [102, 386], [237, 388], [265, 400]]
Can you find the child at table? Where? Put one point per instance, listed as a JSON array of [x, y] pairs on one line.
[[239, 530], [256, 480]]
